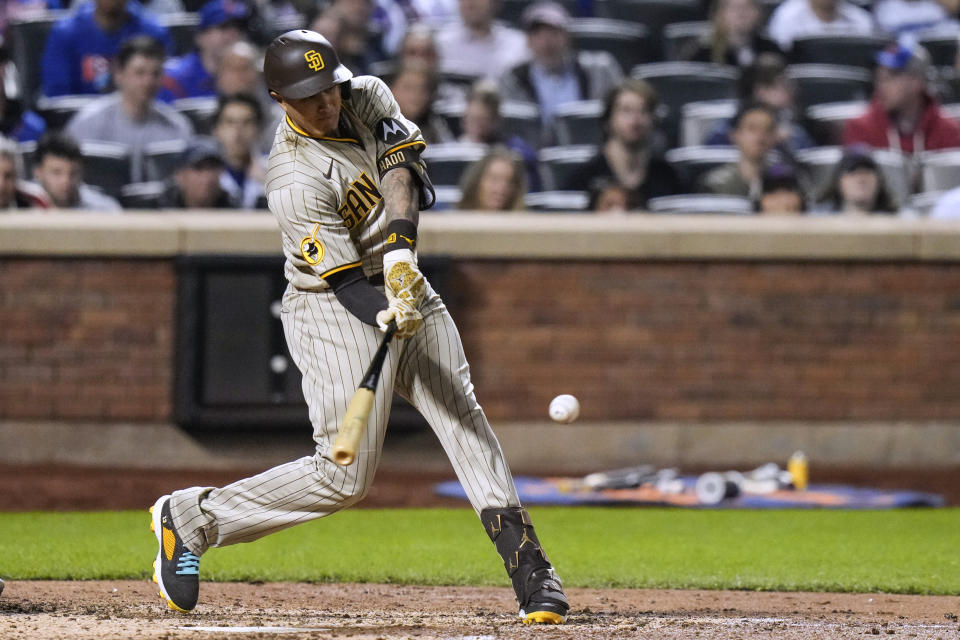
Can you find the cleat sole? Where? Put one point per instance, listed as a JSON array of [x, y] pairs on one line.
[[543, 617]]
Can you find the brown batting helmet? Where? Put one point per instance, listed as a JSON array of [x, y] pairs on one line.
[[301, 63]]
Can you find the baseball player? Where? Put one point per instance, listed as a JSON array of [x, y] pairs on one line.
[[346, 184]]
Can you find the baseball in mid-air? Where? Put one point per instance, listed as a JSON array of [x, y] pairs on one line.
[[564, 408]]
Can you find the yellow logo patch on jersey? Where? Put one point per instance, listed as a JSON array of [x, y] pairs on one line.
[[314, 60], [312, 249]]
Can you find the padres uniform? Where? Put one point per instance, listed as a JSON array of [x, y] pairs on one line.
[[327, 196]]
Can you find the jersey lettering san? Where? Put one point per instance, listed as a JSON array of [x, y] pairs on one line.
[[359, 200]]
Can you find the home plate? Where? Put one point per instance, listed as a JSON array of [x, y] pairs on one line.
[[255, 629]]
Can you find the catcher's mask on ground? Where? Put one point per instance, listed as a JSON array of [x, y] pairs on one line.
[[302, 63]]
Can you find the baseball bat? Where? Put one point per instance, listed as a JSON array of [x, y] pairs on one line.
[[358, 411]]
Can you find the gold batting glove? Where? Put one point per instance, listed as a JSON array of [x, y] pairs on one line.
[[404, 286]]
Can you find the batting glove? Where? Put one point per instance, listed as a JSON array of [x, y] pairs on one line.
[[404, 286]]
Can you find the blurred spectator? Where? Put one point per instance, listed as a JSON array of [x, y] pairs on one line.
[[15, 193], [151, 6], [222, 24], [132, 115], [904, 115], [766, 82], [910, 16], [415, 88], [78, 51], [555, 73], [754, 134], [58, 169], [857, 186], [483, 124], [239, 71], [735, 36], [476, 45], [608, 196], [347, 24], [630, 152], [16, 122], [797, 18], [496, 182], [947, 206], [419, 47], [780, 193], [237, 128], [196, 182]]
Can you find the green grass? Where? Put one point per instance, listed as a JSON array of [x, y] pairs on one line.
[[902, 551]]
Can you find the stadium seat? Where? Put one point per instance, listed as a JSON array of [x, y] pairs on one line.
[[821, 83], [693, 162], [451, 110], [700, 203], [560, 164], [825, 122], [578, 122], [681, 82], [942, 46], [699, 118], [941, 170], [853, 50], [951, 111], [921, 203], [557, 201], [447, 197], [522, 119], [161, 159], [655, 14], [141, 195], [106, 165], [27, 38], [628, 42], [447, 162], [200, 112], [28, 151], [58, 110], [681, 36], [182, 27]]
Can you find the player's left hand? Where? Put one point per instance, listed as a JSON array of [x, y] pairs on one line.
[[405, 287]]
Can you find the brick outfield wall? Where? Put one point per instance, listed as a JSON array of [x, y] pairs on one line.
[[93, 339]]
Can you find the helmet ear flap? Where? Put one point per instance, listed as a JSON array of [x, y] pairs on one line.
[[345, 90]]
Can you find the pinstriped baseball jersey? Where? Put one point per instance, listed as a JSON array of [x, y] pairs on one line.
[[326, 196], [325, 192]]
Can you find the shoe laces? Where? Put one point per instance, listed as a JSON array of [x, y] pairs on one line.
[[188, 564]]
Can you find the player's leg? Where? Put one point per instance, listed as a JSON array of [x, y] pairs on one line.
[[434, 376], [332, 349]]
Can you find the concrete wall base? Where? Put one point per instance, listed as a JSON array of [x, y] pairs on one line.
[[540, 447]]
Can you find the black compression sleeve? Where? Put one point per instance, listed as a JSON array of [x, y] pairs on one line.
[[357, 295]]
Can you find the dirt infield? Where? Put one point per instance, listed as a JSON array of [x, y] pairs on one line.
[[100, 610]]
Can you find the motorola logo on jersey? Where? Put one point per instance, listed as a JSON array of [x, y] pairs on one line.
[[312, 249], [359, 200], [391, 131]]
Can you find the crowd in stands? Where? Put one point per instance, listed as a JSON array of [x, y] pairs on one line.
[[802, 107]]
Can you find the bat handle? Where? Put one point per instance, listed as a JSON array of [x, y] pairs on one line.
[[355, 420]]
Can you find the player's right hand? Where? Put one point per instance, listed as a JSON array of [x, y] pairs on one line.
[[407, 318]]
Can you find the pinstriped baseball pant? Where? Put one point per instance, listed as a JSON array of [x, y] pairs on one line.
[[333, 348]]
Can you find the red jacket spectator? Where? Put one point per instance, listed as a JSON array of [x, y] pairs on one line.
[[903, 115], [876, 129]]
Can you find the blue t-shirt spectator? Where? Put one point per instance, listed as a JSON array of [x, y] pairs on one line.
[[78, 51], [222, 23]]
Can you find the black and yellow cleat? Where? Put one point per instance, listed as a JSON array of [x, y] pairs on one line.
[[176, 569]]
